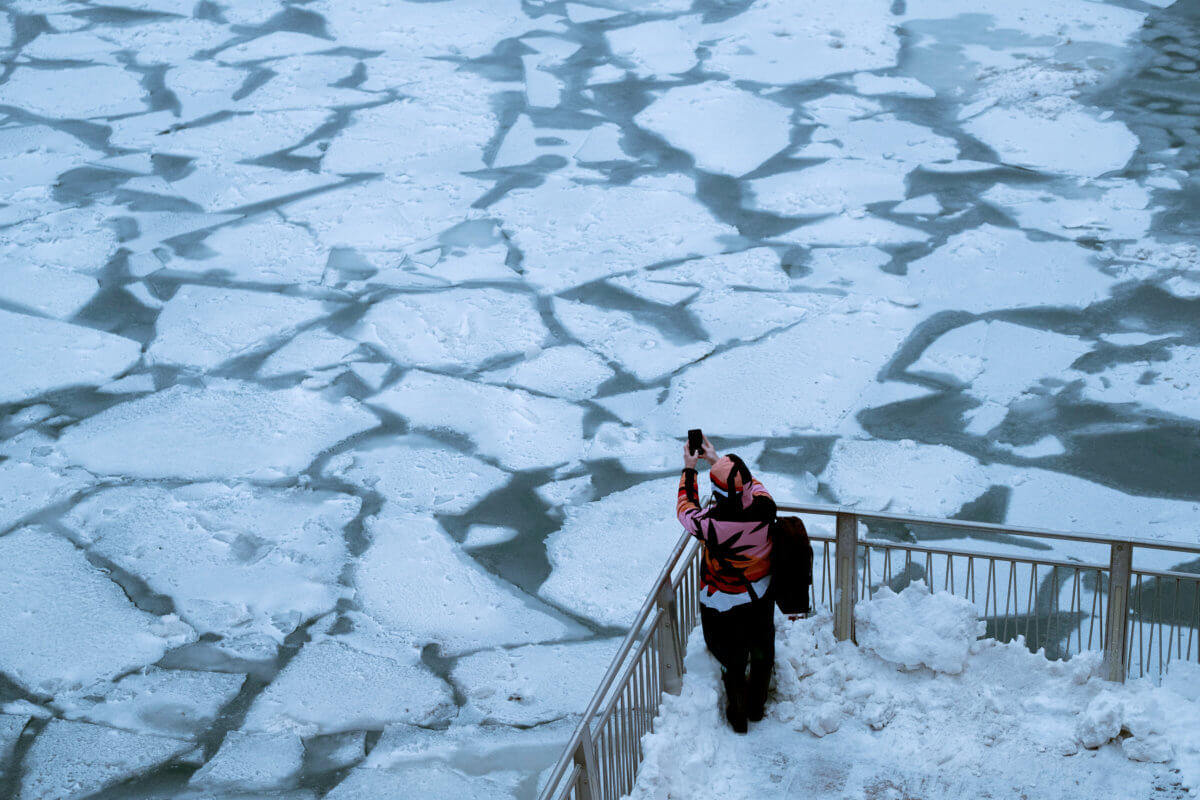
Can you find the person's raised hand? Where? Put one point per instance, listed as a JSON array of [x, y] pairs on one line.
[[708, 452], [689, 458]]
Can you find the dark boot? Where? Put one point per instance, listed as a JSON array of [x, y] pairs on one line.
[[735, 701], [756, 690]]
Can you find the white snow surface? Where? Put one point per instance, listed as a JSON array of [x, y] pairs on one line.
[[925, 710]]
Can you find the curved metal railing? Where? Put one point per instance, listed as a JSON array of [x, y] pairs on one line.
[[1142, 619]]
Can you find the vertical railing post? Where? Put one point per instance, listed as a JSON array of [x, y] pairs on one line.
[[1120, 571], [846, 586], [585, 759], [670, 654]]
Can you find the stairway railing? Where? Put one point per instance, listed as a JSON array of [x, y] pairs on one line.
[[1064, 606]]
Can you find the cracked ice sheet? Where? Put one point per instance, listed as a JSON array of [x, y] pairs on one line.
[[570, 372], [64, 624], [618, 336], [42, 355], [454, 328], [780, 42], [725, 129], [163, 702], [33, 156], [80, 239], [525, 686], [202, 326], [830, 358], [224, 430], [988, 268], [71, 760], [852, 230], [28, 488], [1068, 21], [233, 560], [433, 780], [573, 233], [605, 578], [1172, 384], [415, 474], [521, 431], [853, 128], [418, 584]]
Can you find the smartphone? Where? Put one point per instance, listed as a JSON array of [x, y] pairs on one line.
[[695, 441]]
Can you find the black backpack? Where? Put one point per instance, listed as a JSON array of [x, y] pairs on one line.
[[791, 565]]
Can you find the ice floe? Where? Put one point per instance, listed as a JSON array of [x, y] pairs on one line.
[[1169, 386], [518, 429], [661, 47], [572, 234], [65, 624], [998, 361], [202, 327], [524, 686], [71, 760], [853, 230], [570, 372], [43, 355], [252, 762], [225, 429], [262, 251], [725, 129], [989, 268], [460, 328], [233, 559], [331, 687], [830, 187], [608, 552], [162, 702], [780, 43], [418, 585], [639, 347], [306, 352], [416, 474], [867, 84], [1072, 142], [823, 383], [55, 292], [71, 93], [28, 488], [1103, 210]]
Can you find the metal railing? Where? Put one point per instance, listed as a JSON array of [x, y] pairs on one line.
[[1062, 606]]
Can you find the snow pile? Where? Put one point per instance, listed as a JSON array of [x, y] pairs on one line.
[[915, 629], [847, 721]]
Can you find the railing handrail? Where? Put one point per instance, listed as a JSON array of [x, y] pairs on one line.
[[984, 527], [687, 544], [631, 639]]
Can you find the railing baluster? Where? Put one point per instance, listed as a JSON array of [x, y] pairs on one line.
[[847, 546]]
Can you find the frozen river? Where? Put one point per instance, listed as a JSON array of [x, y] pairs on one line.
[[349, 346]]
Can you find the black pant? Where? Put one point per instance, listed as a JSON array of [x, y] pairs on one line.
[[745, 632]]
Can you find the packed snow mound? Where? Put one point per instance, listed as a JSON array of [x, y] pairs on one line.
[[847, 721], [917, 629]]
